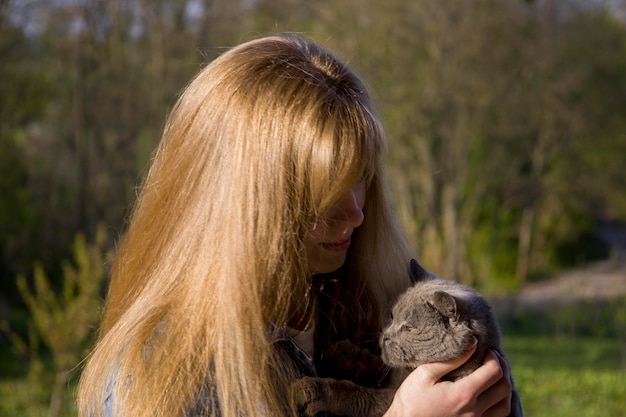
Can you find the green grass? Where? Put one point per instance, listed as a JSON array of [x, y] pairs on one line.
[[569, 360], [566, 392], [559, 376]]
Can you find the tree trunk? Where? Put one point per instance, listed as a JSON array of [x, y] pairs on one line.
[[524, 244], [449, 208]]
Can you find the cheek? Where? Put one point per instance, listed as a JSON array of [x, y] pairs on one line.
[[360, 194], [313, 249], [319, 259], [316, 235]]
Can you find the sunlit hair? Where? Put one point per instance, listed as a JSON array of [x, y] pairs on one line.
[[264, 140]]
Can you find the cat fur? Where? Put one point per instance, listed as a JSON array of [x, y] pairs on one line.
[[434, 320]]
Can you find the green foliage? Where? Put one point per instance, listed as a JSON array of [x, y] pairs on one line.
[[18, 217], [23, 98], [492, 251], [554, 352], [63, 320], [591, 319]]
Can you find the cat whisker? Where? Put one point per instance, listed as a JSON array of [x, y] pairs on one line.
[[384, 370]]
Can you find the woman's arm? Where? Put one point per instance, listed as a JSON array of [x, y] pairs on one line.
[[486, 392]]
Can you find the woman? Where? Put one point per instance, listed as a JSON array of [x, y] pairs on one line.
[[261, 235]]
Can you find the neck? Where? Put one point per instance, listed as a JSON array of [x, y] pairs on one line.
[[303, 314]]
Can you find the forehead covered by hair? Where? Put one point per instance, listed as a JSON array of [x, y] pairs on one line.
[[292, 116], [315, 109]]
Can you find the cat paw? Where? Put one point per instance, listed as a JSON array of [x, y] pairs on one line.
[[344, 349], [346, 360], [307, 395], [347, 356]]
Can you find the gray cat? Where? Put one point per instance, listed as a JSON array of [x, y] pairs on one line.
[[435, 320]]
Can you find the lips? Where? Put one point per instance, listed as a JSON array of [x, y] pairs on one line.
[[338, 246]]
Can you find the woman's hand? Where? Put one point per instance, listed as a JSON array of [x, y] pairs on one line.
[[486, 392]]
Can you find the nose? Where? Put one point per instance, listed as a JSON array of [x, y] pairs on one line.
[[351, 207]]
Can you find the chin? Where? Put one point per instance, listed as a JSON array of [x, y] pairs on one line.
[[327, 266]]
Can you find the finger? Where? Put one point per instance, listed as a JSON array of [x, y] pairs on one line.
[[486, 376], [501, 390], [434, 371], [502, 408], [497, 399], [504, 364]]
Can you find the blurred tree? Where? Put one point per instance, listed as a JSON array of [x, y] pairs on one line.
[[477, 99], [437, 74], [596, 44], [23, 89], [492, 107]]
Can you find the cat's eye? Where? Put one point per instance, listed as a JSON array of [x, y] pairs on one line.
[[406, 328]]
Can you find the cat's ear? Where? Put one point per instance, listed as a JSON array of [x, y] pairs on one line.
[[417, 272], [445, 304]]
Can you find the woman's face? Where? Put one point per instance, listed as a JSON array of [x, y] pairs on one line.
[[328, 242]]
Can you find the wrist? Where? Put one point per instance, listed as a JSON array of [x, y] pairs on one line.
[[393, 410]]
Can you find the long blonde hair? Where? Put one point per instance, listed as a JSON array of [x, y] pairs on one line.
[[260, 143]]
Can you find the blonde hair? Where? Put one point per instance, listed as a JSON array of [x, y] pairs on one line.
[[260, 143]]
